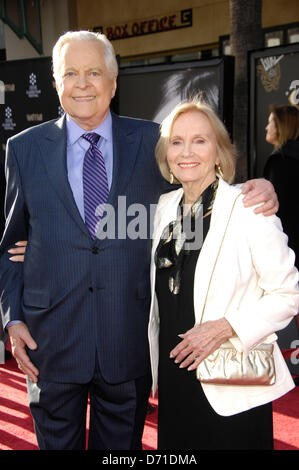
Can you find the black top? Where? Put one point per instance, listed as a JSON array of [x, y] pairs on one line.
[[176, 317], [177, 309]]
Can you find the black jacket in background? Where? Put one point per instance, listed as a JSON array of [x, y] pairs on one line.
[[282, 169]]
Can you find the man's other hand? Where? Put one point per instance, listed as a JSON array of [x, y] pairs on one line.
[[20, 337]]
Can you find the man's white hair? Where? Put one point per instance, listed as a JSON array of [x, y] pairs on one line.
[[109, 53]]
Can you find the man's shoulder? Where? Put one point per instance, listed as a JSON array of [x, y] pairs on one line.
[[128, 122], [35, 131]]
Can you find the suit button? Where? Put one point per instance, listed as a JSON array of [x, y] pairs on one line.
[[95, 250], [90, 289]]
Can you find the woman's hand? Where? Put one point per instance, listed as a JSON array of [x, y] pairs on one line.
[[18, 252], [200, 342], [260, 191]]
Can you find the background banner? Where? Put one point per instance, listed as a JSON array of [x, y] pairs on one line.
[[151, 92], [30, 98], [274, 79]]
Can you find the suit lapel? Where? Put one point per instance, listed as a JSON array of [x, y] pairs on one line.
[[53, 151], [126, 142]]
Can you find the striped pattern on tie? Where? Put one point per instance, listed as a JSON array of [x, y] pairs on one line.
[[95, 183]]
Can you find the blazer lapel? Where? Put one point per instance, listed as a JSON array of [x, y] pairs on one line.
[[223, 206], [166, 213], [53, 151]]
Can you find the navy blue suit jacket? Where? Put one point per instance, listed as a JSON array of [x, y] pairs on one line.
[[79, 297]]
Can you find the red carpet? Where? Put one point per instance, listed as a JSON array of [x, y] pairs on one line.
[[16, 428]]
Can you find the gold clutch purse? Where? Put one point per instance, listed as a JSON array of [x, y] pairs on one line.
[[228, 366]]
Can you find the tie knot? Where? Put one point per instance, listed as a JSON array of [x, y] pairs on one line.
[[92, 137]]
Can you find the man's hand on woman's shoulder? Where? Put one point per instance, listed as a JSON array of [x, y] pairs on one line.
[[260, 191]]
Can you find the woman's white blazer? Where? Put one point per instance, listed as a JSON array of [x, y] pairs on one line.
[[245, 272]]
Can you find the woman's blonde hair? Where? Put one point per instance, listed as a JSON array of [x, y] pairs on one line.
[[286, 118], [226, 150]]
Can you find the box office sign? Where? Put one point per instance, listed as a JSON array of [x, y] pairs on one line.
[[176, 20]]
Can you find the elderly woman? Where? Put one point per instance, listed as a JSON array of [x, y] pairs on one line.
[[230, 266]]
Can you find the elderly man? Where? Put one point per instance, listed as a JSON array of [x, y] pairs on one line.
[[77, 309]]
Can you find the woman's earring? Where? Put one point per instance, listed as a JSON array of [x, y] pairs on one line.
[[219, 171], [171, 178]]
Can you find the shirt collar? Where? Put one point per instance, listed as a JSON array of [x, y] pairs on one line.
[[74, 131]]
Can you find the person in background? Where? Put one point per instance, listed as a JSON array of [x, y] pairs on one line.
[[282, 169], [77, 309], [235, 281]]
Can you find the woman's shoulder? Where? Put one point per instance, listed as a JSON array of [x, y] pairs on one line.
[[230, 196], [228, 191], [170, 197]]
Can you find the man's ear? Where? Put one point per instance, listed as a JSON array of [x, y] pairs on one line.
[[114, 86]]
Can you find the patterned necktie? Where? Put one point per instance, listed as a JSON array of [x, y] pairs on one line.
[[95, 183]]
